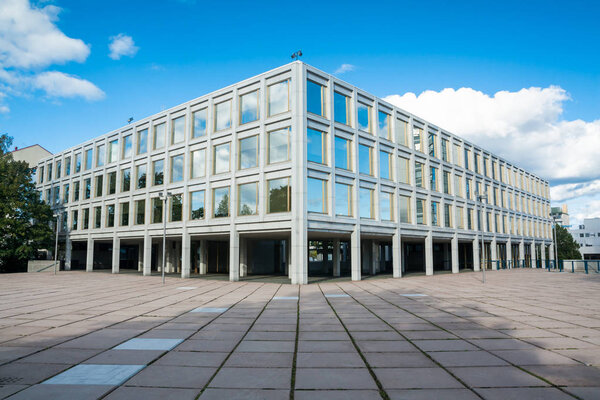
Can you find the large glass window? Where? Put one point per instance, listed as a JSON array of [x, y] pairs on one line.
[[445, 150], [127, 146], [386, 206], [431, 145], [418, 140], [177, 168], [420, 212], [385, 127], [221, 202], [248, 198], [158, 141], [456, 155], [222, 116], [433, 179], [317, 195], [113, 151], [279, 146], [341, 108], [468, 189], [343, 199], [97, 217], [460, 224], [158, 170], [248, 107], [279, 195], [221, 158], [140, 176], [447, 215], [402, 132], [99, 184], [197, 204], [56, 195], [86, 218], [178, 129], [418, 174], [58, 169], [49, 177], [364, 117], [77, 162], [76, 189], [385, 165], [404, 212], [110, 215], [125, 214], [315, 98], [199, 123], [66, 193], [88, 160], [157, 210], [198, 163], [457, 185], [176, 208], [100, 155], [112, 182], [87, 184], [67, 166], [279, 97], [365, 159], [316, 145], [476, 162], [74, 218], [342, 153], [248, 152], [446, 182], [365, 201], [142, 141], [467, 157], [404, 170], [126, 180]]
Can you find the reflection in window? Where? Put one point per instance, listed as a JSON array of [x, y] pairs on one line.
[[434, 213], [177, 168], [343, 199], [124, 214], [158, 141], [342, 153], [365, 162], [317, 195], [278, 146], [110, 215], [199, 123], [88, 161], [58, 169], [77, 163], [247, 198], [97, 217], [460, 224], [315, 98], [86, 218], [249, 107], [433, 179], [418, 174], [158, 168], [197, 204], [385, 127], [364, 117], [87, 188], [385, 165], [198, 163], [157, 210], [365, 201], [386, 206], [431, 145], [221, 202], [420, 213], [113, 151], [176, 208], [418, 139], [142, 141], [127, 146], [316, 143], [402, 132], [68, 166], [178, 130], [457, 185], [99, 185], [279, 195], [112, 183], [221, 158], [404, 170], [341, 108], [222, 116], [279, 97], [445, 150], [74, 218], [76, 189], [404, 211], [248, 152], [140, 176], [446, 182], [100, 155], [126, 180]]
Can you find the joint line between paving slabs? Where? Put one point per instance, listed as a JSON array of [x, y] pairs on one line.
[[293, 379]]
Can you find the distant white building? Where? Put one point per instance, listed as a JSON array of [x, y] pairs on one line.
[[30, 154], [588, 237], [561, 215]]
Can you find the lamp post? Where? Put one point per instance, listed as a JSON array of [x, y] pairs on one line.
[[554, 238], [481, 197], [57, 216], [164, 196]]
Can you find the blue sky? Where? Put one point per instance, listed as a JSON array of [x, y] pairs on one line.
[[188, 48]]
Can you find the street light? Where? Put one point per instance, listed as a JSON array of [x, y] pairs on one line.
[[164, 196], [57, 216], [555, 241], [481, 197]]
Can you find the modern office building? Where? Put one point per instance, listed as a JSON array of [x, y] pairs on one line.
[[296, 173], [587, 236]]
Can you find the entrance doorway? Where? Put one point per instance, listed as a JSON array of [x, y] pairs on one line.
[[218, 257]]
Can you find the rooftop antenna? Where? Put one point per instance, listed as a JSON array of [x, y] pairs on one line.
[[296, 56], [129, 120]]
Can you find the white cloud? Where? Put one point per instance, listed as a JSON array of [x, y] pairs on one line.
[[344, 68], [121, 45], [58, 84], [573, 190]]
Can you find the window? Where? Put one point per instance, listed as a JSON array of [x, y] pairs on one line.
[[385, 165], [67, 166], [341, 108], [445, 150], [157, 210], [110, 215], [86, 218], [385, 128], [279, 195], [433, 179], [113, 151], [66, 193], [176, 208], [222, 116], [342, 153], [248, 107], [177, 168], [40, 174], [56, 195], [495, 171], [158, 168], [142, 141], [468, 189], [178, 129], [100, 155], [420, 214], [434, 213], [467, 157], [386, 206], [364, 117], [48, 196], [418, 174], [486, 169], [447, 215], [470, 218], [112, 182], [460, 224], [99, 184], [140, 212], [431, 145], [87, 184], [476, 162], [74, 218], [198, 163], [221, 202], [248, 199], [199, 123], [404, 170], [402, 132], [140, 176], [317, 195], [158, 141], [221, 158], [446, 182], [97, 217], [197, 204], [457, 185], [456, 155], [88, 161], [404, 211], [418, 141], [49, 178], [76, 191], [315, 98], [343, 199], [77, 163], [127, 146], [365, 155], [316, 145], [278, 97], [126, 180], [365, 201], [279, 146], [58, 169], [125, 214]]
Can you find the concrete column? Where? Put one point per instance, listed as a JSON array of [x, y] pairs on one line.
[[299, 267], [89, 261], [234, 255], [355, 255], [374, 257], [454, 254], [186, 263], [494, 253], [159, 256], [336, 257], [397, 254], [140, 257], [170, 257], [509, 260], [446, 251], [533, 255], [551, 251], [203, 257], [116, 254], [68, 251], [244, 257], [147, 266], [476, 263], [521, 252], [429, 254], [543, 255]]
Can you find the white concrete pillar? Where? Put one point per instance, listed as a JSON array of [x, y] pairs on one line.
[[543, 255], [533, 255], [476, 255], [68, 253], [454, 254], [355, 255], [446, 250], [234, 255], [374, 257], [522, 253], [397, 254], [159, 255], [141, 256], [494, 254], [551, 251], [89, 261], [299, 267], [336, 257], [186, 244], [147, 267], [170, 256], [116, 254], [509, 260], [244, 257], [429, 254], [203, 257]]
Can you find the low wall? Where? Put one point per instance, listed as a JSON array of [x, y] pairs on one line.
[[40, 266]]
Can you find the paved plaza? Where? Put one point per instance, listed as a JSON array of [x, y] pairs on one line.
[[525, 334]]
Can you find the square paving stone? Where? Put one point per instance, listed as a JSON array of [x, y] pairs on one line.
[[95, 374], [192, 359], [398, 360], [244, 394], [285, 298], [385, 346], [145, 393], [334, 378], [586, 393], [7, 390], [60, 356], [127, 357], [217, 310], [523, 393], [534, 357], [416, 378], [337, 395], [568, 375], [266, 360], [326, 360], [207, 345], [444, 345], [432, 394], [28, 373], [335, 296], [259, 346], [71, 392], [496, 377], [172, 376], [253, 378], [501, 344], [149, 344], [345, 346], [466, 358]]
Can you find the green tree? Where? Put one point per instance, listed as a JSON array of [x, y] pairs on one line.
[[568, 248], [24, 218]]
